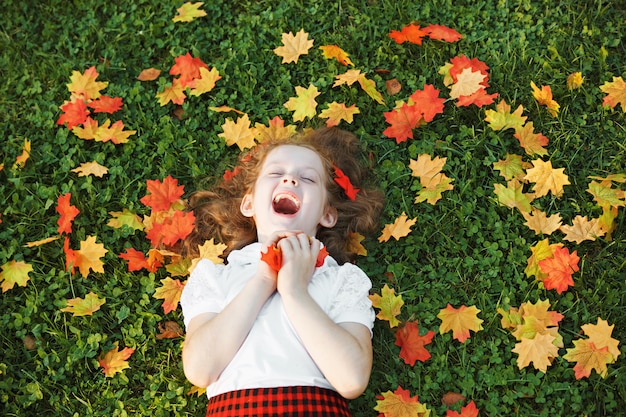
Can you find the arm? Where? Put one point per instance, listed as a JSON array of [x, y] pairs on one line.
[[343, 352]]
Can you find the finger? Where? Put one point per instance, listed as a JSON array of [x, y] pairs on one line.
[[279, 235]]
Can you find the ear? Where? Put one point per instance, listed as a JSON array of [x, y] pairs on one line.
[[246, 207], [329, 219]]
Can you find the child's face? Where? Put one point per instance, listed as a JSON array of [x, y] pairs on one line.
[[290, 193]]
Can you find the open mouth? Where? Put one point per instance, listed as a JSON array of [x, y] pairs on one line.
[[285, 203]]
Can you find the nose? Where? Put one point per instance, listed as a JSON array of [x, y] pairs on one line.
[[289, 179]]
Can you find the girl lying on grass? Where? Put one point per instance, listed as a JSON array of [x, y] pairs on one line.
[[280, 329]]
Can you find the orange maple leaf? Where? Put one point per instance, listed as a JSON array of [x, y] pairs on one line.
[[402, 121], [336, 112], [469, 410], [188, 69], [544, 97], [294, 46], [239, 132], [162, 194], [559, 269], [412, 344], [14, 272], [460, 63], [84, 306], [460, 321], [68, 213], [177, 227], [540, 350], [137, 261], [542, 250], [169, 292], [273, 257], [428, 102], [615, 93], [115, 360], [410, 33], [399, 228], [400, 404], [115, 133], [88, 256], [20, 161], [304, 104], [533, 143], [74, 113], [106, 104], [442, 33], [174, 93], [389, 305], [84, 85], [333, 51]]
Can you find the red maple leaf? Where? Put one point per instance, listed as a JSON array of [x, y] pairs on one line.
[[559, 268], [68, 213], [162, 194], [428, 102], [412, 344], [136, 259], [74, 113], [188, 68], [177, 227], [442, 33], [274, 257], [70, 256], [469, 410], [106, 104], [410, 33], [479, 98], [402, 121]]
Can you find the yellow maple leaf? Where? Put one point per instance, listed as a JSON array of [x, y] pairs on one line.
[[304, 104], [582, 229], [533, 143], [544, 97], [88, 256], [85, 85], [399, 228], [20, 161], [212, 251], [354, 244], [169, 292], [115, 133], [333, 51], [115, 360], [225, 109], [84, 306], [88, 130], [539, 222], [588, 357], [513, 196], [539, 350], [615, 93], [14, 272], [444, 70], [389, 305], [91, 168], [600, 335], [336, 112], [512, 167], [604, 194], [502, 118], [575, 80], [125, 217], [349, 77], [468, 82], [400, 404], [369, 86], [174, 93], [460, 320], [546, 178], [239, 133], [206, 82], [426, 168], [275, 130], [294, 46], [433, 192], [188, 12]]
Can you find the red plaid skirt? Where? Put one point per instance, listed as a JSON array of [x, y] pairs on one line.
[[297, 401]]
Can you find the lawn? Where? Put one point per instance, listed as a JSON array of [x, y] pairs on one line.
[[471, 243]]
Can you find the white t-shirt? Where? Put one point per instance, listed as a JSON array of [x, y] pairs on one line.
[[272, 355]]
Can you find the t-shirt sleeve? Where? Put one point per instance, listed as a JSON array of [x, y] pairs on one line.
[[202, 292], [351, 302]]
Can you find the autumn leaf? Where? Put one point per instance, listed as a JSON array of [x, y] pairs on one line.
[[304, 104], [275, 130], [434, 193], [336, 112], [604, 194], [188, 12], [115, 133], [136, 260], [273, 257], [174, 93], [14, 272], [169, 330], [615, 93], [89, 129], [544, 97], [169, 291], [70, 256], [575, 80], [91, 168], [512, 167], [513, 196], [582, 229], [600, 335], [539, 222], [559, 269], [294, 46], [225, 109], [354, 244], [206, 82], [74, 113], [88, 256], [588, 357], [460, 321], [149, 74], [533, 143], [539, 350], [125, 217], [68, 213], [442, 33], [426, 169], [532, 319], [239, 132], [84, 85], [428, 102], [402, 122], [177, 227], [467, 83], [161, 195], [410, 33], [542, 250], [412, 344], [333, 51], [84, 306], [20, 161], [41, 242], [212, 251], [115, 360], [349, 77], [502, 118], [369, 86], [106, 104], [400, 404], [188, 69], [469, 410], [389, 305], [398, 229]]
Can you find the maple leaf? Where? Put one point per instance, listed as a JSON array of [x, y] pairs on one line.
[[304, 104], [169, 292], [582, 229], [428, 102], [336, 112], [88, 256], [84, 306], [434, 191], [70, 256], [512, 167], [275, 130], [354, 244], [588, 357], [542, 250], [115, 133], [88, 130], [333, 51], [532, 319], [513, 196], [615, 93], [402, 121], [106, 104], [459, 63], [426, 168], [400, 404], [539, 350], [115, 360], [125, 217], [174, 93], [544, 97], [502, 118], [442, 33], [539, 222], [467, 83], [600, 335], [188, 69], [149, 74], [85, 85], [604, 194], [273, 257], [177, 227], [206, 82], [20, 161], [533, 143], [169, 330], [469, 410], [575, 80], [478, 98], [212, 251], [41, 242], [162, 194], [68, 213], [399, 228], [294, 46], [410, 33], [239, 132], [412, 344], [136, 260], [349, 77], [225, 109], [14, 272], [460, 320], [559, 269], [188, 12], [74, 113], [389, 305], [369, 86], [91, 168]]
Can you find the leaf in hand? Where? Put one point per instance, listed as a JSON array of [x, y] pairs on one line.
[[460, 321], [294, 46], [273, 257]]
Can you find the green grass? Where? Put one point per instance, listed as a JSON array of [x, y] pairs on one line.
[[465, 250]]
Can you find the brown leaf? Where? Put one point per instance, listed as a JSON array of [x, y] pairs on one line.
[[169, 330], [450, 398], [29, 342], [149, 74], [393, 86]]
